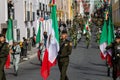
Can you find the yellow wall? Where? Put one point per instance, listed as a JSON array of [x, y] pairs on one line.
[[64, 9], [116, 13], [70, 12]]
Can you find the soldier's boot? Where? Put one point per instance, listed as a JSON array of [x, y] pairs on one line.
[[114, 78], [108, 72], [40, 62], [87, 45], [16, 73]]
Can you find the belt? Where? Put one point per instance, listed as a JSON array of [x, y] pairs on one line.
[[64, 57], [16, 53]]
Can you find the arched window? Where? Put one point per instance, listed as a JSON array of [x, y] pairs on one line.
[[33, 31], [28, 33]]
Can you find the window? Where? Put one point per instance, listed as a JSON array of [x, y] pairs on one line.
[[33, 31], [18, 34], [28, 33]]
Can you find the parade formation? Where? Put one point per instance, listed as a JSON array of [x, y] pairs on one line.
[[60, 40]]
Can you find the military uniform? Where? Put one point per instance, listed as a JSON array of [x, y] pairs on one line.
[[79, 35], [63, 58], [74, 39], [115, 58], [25, 45], [4, 51], [87, 39]]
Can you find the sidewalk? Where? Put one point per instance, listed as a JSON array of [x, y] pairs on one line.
[[32, 53]]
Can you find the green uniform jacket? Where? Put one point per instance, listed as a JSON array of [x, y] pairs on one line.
[[65, 50], [4, 49]]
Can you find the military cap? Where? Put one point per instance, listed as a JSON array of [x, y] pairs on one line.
[[1, 35], [64, 32], [117, 35]]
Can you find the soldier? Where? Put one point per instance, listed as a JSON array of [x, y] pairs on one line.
[[45, 38], [42, 51], [16, 56], [98, 35], [63, 57], [115, 47], [79, 34], [87, 39], [74, 39], [25, 44], [4, 50]]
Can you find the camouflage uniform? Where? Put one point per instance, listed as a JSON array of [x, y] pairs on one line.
[[87, 39], [74, 39]]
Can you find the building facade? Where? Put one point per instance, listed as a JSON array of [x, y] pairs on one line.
[[3, 15], [64, 10], [25, 14], [116, 12]]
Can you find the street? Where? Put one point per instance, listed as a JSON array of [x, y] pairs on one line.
[[85, 64], [29, 25]]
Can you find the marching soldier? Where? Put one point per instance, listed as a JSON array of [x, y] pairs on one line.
[[4, 50], [115, 47], [87, 39], [98, 36], [25, 45], [63, 57], [79, 34], [74, 39]]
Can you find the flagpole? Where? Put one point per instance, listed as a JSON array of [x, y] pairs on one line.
[[53, 1]]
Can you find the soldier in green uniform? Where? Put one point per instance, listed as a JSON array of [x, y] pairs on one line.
[[115, 47], [98, 36], [74, 39], [4, 50], [63, 57], [87, 39]]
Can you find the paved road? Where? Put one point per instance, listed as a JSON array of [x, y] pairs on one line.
[[85, 64]]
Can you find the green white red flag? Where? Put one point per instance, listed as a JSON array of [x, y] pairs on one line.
[[110, 40], [9, 33], [103, 41], [52, 49]]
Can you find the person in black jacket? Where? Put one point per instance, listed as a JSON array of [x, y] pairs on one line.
[[25, 45], [4, 51]]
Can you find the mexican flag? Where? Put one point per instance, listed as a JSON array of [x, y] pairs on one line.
[[103, 41], [9, 39], [52, 2], [110, 40], [39, 35], [52, 49], [9, 33], [86, 28], [38, 32]]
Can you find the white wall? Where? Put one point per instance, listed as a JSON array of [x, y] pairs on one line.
[[19, 15], [3, 12]]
